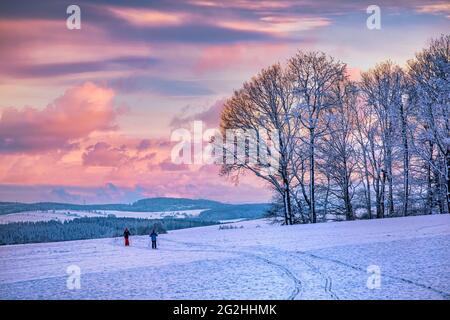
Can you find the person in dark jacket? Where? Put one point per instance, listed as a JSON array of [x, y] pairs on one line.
[[126, 235], [153, 236]]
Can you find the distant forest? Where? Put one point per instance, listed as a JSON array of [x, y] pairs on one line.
[[214, 210], [89, 228], [143, 205]]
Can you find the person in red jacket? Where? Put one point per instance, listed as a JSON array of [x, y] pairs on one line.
[[126, 235]]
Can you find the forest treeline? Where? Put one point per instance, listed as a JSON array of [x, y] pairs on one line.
[[89, 228], [347, 149]]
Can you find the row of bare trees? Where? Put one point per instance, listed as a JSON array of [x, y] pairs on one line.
[[373, 148]]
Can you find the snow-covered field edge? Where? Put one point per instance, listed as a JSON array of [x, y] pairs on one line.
[[396, 258]]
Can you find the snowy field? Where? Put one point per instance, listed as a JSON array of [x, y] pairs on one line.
[[257, 261], [65, 215]]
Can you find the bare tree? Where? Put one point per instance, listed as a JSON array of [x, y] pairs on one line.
[[265, 103], [429, 72], [337, 149], [363, 122], [383, 88], [314, 74]]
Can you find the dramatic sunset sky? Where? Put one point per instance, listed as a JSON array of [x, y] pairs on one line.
[[86, 115]]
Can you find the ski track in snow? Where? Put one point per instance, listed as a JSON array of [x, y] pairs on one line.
[[297, 283], [259, 261], [445, 295]]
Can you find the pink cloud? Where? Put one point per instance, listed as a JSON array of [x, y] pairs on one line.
[[110, 162], [80, 111], [435, 8], [148, 17], [277, 25], [210, 116], [144, 144], [43, 48], [168, 165], [103, 155], [244, 4]]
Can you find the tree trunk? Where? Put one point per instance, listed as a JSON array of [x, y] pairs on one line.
[[378, 197], [286, 190], [390, 185], [443, 185], [405, 162], [430, 180], [327, 194], [383, 193], [447, 160], [312, 177], [438, 179], [285, 210], [368, 195], [348, 205], [288, 202]]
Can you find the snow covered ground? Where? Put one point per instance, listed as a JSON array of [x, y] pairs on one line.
[[64, 215], [257, 261]]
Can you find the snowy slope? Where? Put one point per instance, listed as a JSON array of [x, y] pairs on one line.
[[257, 261]]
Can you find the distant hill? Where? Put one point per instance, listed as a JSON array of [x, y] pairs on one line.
[[214, 210], [173, 204]]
